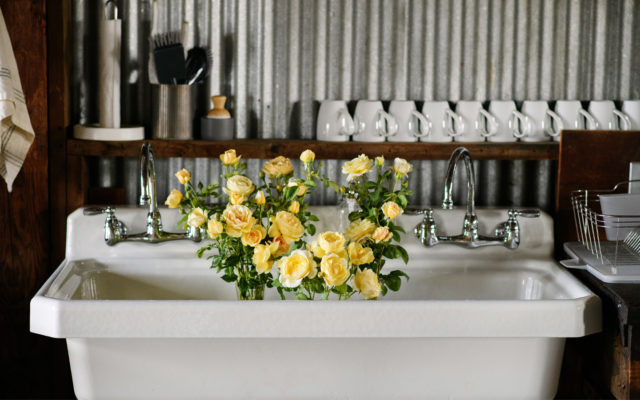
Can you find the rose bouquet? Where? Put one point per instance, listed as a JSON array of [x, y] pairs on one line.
[[351, 262], [257, 225]]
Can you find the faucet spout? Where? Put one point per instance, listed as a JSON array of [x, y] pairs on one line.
[[461, 153]]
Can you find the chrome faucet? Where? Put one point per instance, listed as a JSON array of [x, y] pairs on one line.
[[506, 233], [115, 231]]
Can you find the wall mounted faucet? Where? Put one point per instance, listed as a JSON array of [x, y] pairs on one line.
[[506, 233], [115, 231]]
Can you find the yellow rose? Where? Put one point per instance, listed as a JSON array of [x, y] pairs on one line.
[[259, 198], [240, 184], [332, 242], [183, 176], [391, 209], [379, 161], [401, 166], [197, 217], [302, 188], [359, 255], [359, 230], [307, 156], [366, 282], [279, 247], [334, 269], [294, 207], [316, 250], [214, 228], [239, 220], [357, 167], [278, 166], [254, 236], [381, 234], [174, 199], [294, 268], [286, 225], [229, 157], [235, 198], [262, 258]]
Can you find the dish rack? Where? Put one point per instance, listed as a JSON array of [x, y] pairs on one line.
[[608, 245]]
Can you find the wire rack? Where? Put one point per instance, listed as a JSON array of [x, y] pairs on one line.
[[612, 240]]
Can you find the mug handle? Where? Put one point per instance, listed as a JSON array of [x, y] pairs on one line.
[[624, 123], [421, 129], [453, 123], [519, 124], [359, 125], [491, 122], [386, 124], [591, 123], [347, 126], [557, 122]]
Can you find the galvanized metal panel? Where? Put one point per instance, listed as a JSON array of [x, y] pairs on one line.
[[277, 59]]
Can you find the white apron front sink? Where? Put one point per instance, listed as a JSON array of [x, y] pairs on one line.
[[153, 321]]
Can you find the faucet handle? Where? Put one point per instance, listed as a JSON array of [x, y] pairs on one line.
[[414, 210], [526, 213], [110, 211]]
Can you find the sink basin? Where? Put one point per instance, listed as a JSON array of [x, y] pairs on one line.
[[153, 321]]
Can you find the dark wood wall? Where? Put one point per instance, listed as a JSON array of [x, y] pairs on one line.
[[32, 366]]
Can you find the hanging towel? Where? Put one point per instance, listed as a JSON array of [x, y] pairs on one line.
[[16, 132]]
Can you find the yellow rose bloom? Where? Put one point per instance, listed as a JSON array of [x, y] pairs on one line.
[[214, 228], [316, 250], [235, 198], [302, 188], [183, 176], [359, 230], [366, 282], [381, 234], [307, 156], [197, 217], [174, 199], [240, 184], [379, 161], [229, 157], [357, 167], [254, 236], [294, 268], [332, 242], [279, 247], [359, 255], [391, 209], [401, 166], [262, 258], [259, 198], [334, 269], [286, 225], [278, 166], [294, 207], [239, 220]]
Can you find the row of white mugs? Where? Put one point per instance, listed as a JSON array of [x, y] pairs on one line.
[[470, 122]]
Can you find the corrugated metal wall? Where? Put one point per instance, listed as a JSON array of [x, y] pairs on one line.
[[276, 60]]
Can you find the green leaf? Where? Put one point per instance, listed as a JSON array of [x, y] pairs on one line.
[[229, 278], [281, 292], [393, 282], [325, 295], [403, 254], [313, 218], [311, 229], [301, 296], [399, 273]]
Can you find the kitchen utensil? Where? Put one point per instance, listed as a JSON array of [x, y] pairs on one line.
[[608, 117], [197, 64], [168, 55], [373, 124], [503, 111], [412, 125], [437, 112], [334, 122], [477, 122], [538, 122]]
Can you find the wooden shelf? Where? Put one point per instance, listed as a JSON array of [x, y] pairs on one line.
[[269, 148]]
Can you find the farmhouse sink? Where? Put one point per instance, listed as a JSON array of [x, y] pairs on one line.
[[152, 321]]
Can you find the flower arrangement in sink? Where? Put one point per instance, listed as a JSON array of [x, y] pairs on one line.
[[265, 228]]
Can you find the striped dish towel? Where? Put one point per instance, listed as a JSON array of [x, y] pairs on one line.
[[16, 132]]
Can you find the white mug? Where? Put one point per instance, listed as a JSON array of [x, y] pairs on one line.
[[412, 125], [608, 117], [373, 124], [541, 123], [503, 111], [438, 112], [573, 116], [632, 109], [334, 122], [477, 122]]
